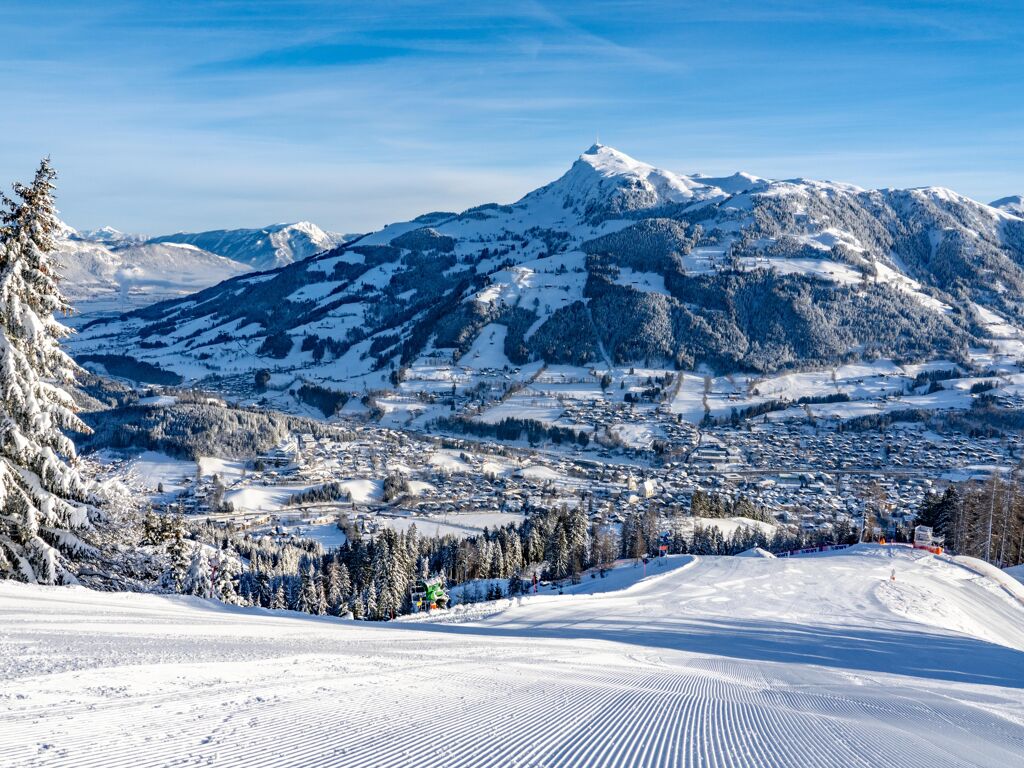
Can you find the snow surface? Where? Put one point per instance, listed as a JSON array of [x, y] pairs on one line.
[[151, 469], [488, 350], [873, 388], [650, 282], [1017, 572], [818, 661], [756, 552], [1013, 204], [327, 534], [262, 498]]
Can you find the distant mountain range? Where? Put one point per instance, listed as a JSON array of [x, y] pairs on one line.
[[264, 248], [108, 271], [616, 262]]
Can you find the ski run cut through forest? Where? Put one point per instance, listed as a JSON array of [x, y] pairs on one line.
[[870, 656]]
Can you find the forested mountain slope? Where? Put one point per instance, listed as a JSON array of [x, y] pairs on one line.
[[618, 262]]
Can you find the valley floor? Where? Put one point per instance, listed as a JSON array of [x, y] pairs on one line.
[[816, 661]]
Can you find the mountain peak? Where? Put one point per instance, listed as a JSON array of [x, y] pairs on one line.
[[1012, 204], [304, 226], [265, 248], [741, 181], [611, 161], [605, 182], [107, 235]]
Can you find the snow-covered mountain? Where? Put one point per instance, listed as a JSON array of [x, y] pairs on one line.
[[107, 235], [118, 274], [618, 262], [264, 248], [1013, 204], [109, 271]]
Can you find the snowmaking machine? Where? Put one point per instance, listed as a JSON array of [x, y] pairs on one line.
[[925, 538], [429, 594]]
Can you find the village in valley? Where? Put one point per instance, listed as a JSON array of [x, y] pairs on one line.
[[798, 453]]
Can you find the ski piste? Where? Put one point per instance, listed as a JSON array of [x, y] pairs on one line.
[[711, 661]]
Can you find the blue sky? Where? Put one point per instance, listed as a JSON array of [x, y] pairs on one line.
[[175, 115]]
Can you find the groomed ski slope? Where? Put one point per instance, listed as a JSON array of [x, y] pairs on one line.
[[815, 661]]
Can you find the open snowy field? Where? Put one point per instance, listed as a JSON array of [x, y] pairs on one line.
[[816, 661], [872, 388]]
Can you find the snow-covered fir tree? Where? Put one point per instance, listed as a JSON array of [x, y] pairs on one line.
[[179, 552], [355, 607], [311, 594], [560, 556], [153, 528], [279, 601], [224, 579], [338, 586], [332, 591], [579, 534], [199, 581], [515, 554], [344, 581], [383, 576], [320, 607], [372, 611], [46, 509]]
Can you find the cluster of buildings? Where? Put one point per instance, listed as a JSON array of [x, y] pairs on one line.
[[806, 476]]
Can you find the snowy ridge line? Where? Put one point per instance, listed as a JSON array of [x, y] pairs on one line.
[[467, 612], [676, 563], [1008, 584]]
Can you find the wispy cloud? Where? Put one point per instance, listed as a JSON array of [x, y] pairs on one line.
[[186, 114]]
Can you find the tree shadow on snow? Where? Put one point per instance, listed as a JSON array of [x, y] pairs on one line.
[[866, 649]]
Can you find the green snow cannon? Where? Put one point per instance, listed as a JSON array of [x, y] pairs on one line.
[[429, 594]]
